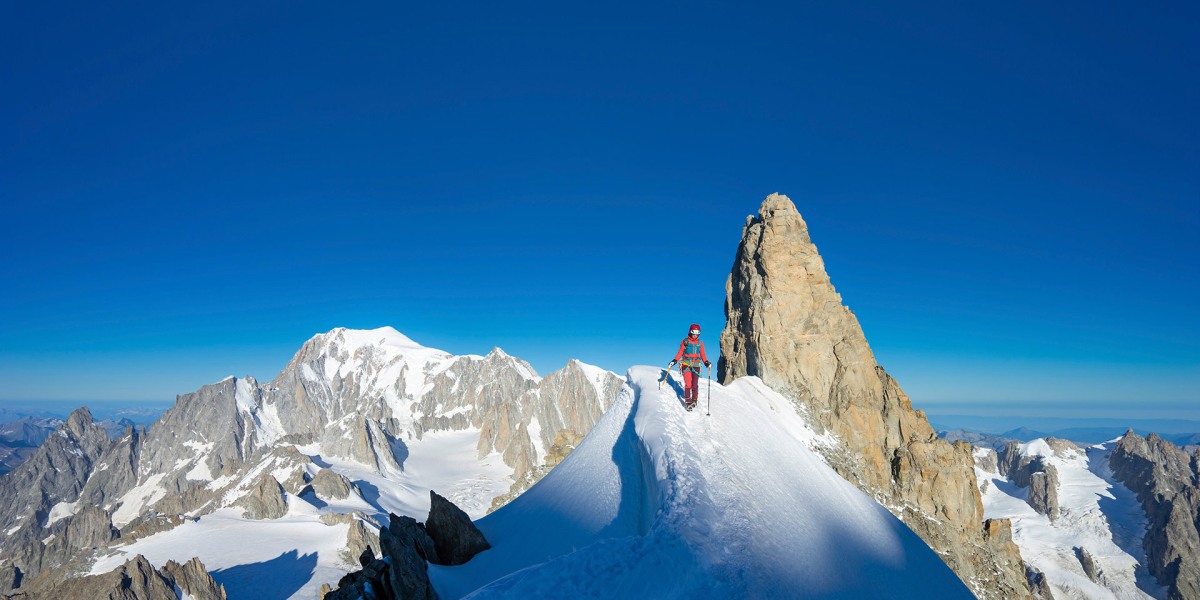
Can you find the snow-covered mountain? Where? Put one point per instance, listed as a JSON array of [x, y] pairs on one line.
[[358, 425], [659, 502], [1080, 514]]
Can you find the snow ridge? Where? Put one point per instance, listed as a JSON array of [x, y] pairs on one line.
[[658, 502]]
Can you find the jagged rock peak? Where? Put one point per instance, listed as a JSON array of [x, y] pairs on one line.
[[786, 324], [457, 539], [782, 210], [137, 578], [1164, 479], [79, 420]]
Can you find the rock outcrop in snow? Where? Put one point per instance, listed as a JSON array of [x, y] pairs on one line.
[[407, 548], [1034, 472], [266, 500], [1167, 483], [136, 579], [329, 485], [786, 324], [456, 538]]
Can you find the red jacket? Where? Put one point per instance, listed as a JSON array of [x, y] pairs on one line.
[[694, 357]]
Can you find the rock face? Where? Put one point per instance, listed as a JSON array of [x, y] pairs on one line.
[[786, 324], [135, 580], [1034, 473], [193, 579], [457, 539], [1043, 492], [1039, 586], [45, 511], [407, 547], [10, 579], [330, 486], [266, 500], [1088, 562], [1167, 483]]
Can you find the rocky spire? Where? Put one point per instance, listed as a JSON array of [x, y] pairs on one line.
[[1166, 482], [786, 324]]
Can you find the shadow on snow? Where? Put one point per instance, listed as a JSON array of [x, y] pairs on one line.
[[275, 579]]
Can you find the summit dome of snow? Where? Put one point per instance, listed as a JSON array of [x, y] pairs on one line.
[[657, 502]]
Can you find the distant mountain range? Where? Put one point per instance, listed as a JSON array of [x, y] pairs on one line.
[[1081, 435]]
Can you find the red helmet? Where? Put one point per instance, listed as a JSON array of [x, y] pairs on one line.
[[694, 329]]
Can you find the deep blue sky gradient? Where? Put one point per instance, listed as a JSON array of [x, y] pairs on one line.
[[1008, 195]]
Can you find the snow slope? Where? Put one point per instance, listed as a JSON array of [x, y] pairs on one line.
[[658, 502], [281, 558], [1097, 513]]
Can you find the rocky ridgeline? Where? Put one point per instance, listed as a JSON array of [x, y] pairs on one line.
[[786, 324], [356, 394], [1167, 483], [135, 580], [448, 537]]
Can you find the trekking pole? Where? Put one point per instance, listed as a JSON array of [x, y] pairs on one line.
[[708, 411]]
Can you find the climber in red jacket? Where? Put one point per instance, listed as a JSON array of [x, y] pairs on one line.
[[691, 352]]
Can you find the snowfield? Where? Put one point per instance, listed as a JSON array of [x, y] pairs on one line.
[[1097, 513], [290, 556], [660, 503]]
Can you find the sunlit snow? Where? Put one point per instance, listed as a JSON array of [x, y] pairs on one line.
[[658, 502]]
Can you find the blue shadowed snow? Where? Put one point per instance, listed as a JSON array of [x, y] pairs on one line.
[[657, 502], [275, 579]]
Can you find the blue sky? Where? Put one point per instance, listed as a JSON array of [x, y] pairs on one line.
[[1007, 195]]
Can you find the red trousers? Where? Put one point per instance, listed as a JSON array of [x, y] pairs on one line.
[[691, 384]]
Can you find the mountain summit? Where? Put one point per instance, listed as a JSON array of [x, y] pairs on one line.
[[786, 324], [359, 424]]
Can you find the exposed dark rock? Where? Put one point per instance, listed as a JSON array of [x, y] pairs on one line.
[[1034, 473], [150, 524], [1038, 585], [329, 485], [134, 580], [193, 579], [406, 544], [360, 540], [456, 537], [406, 548], [1043, 492], [1088, 562], [1165, 482], [266, 500], [10, 578], [367, 584], [54, 474]]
